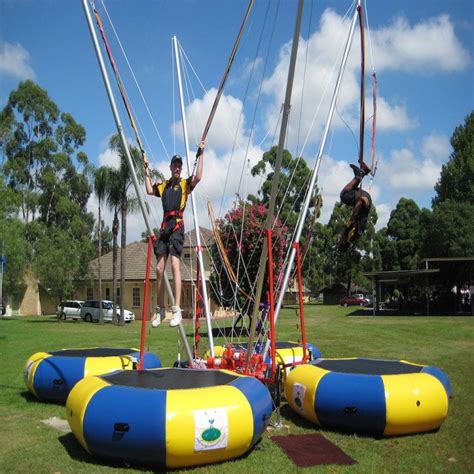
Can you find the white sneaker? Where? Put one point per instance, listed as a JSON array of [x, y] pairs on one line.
[[159, 314], [177, 316]]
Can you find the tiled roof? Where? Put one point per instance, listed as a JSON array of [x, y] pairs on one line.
[[136, 255]]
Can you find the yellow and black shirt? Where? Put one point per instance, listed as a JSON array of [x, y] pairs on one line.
[[173, 193]]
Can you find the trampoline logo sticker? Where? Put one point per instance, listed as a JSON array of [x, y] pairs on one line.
[[210, 429], [299, 392]]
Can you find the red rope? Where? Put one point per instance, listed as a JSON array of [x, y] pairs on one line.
[[151, 238], [271, 302], [373, 167], [117, 77], [296, 246]]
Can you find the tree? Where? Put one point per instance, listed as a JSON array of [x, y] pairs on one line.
[[57, 262], [101, 176], [121, 198], [346, 266], [457, 175], [48, 176], [40, 147], [241, 231], [13, 245], [293, 182], [449, 230], [404, 235]]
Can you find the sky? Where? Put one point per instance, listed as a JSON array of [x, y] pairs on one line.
[[422, 53]]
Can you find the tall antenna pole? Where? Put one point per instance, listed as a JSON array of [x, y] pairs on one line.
[[193, 202], [274, 190], [315, 172], [123, 140]]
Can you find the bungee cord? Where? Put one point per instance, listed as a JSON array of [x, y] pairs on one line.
[[135, 80]]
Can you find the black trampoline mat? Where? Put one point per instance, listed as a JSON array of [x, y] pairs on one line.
[[368, 366], [94, 352], [169, 379]]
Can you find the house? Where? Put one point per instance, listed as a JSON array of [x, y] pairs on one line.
[[135, 273], [291, 294]]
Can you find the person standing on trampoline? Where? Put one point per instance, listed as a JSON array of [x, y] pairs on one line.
[[174, 193], [352, 195]]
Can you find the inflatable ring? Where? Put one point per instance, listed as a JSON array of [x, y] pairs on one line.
[[169, 417], [50, 376], [377, 397]]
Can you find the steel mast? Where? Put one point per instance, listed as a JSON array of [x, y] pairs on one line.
[[123, 140], [193, 201], [276, 176], [315, 172]]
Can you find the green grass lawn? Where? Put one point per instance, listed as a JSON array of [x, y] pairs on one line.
[[28, 445]]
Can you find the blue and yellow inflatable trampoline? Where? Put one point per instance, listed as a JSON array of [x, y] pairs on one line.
[[50, 376], [377, 397], [169, 417]]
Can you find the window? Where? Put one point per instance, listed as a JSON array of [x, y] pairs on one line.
[[118, 295], [107, 293], [90, 293], [136, 297], [187, 256]]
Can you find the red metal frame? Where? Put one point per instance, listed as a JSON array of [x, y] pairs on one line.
[[151, 239], [271, 301], [296, 246], [197, 336]]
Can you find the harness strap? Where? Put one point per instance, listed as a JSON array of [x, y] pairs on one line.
[[167, 216]]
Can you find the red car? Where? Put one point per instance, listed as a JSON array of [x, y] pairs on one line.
[[354, 300]]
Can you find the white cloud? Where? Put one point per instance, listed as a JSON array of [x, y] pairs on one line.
[[14, 61], [405, 172], [227, 125], [428, 46], [109, 158], [391, 117], [383, 213], [436, 147]]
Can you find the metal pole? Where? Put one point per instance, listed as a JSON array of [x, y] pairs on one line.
[[193, 202], [276, 176], [317, 164], [123, 140]]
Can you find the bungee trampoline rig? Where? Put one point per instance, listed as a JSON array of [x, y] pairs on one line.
[[120, 403]]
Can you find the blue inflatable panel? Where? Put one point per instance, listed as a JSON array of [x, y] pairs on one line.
[[442, 377], [112, 426], [55, 377], [50, 376], [260, 402], [350, 402]]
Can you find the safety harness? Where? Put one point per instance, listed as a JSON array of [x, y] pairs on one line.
[[164, 229]]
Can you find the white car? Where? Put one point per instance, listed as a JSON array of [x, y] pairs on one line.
[[90, 311], [69, 309]]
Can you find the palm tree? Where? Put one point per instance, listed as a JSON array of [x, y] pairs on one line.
[[101, 176], [113, 200]]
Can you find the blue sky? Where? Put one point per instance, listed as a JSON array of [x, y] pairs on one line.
[[422, 52]]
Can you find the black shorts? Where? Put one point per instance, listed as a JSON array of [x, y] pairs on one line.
[[351, 197], [172, 245]]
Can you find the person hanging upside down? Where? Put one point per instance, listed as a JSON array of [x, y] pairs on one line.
[[174, 193], [352, 195]]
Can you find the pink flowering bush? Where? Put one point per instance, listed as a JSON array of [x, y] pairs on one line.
[[242, 233]]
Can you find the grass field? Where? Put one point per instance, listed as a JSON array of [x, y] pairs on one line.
[[28, 445]]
